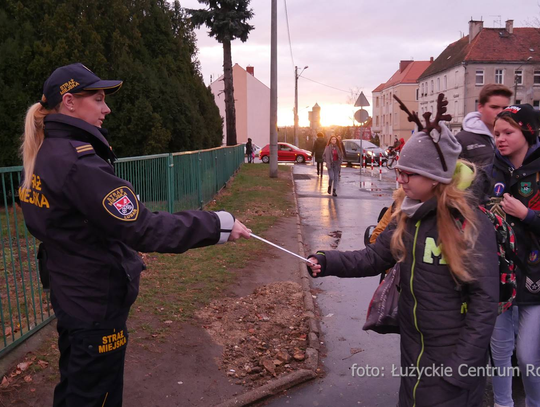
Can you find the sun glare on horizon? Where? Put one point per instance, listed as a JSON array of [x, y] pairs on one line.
[[335, 114]]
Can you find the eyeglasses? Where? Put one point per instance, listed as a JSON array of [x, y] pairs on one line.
[[404, 175]]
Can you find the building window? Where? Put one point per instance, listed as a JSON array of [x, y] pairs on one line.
[[536, 104], [431, 86], [519, 77], [499, 76], [445, 82], [518, 102], [376, 120], [438, 84], [422, 87], [456, 78], [417, 92], [536, 78], [377, 101], [479, 77], [455, 108]]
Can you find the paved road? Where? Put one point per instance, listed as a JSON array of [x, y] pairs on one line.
[[343, 302]]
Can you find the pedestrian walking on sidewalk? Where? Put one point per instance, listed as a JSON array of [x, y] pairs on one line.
[[333, 157], [249, 151], [442, 241], [91, 225], [342, 148], [516, 178], [317, 151]]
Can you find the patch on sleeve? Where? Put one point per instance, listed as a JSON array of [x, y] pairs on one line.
[[122, 204]]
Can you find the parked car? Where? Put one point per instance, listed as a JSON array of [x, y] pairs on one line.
[[353, 152], [256, 150], [286, 152]]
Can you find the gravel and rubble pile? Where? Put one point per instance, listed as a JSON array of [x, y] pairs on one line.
[[264, 335]]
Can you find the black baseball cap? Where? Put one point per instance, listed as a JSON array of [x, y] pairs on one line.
[[526, 117], [74, 78]]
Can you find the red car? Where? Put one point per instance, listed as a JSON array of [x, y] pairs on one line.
[[286, 152]]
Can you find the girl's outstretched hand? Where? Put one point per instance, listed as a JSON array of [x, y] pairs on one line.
[[314, 266]]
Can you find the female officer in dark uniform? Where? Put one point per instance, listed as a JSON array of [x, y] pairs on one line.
[[92, 225]]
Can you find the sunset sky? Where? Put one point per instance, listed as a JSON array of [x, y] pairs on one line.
[[350, 45]]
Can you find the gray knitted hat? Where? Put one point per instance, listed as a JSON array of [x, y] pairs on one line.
[[420, 156]]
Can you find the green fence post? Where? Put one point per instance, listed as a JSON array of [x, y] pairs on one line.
[[200, 179], [217, 187], [170, 183]]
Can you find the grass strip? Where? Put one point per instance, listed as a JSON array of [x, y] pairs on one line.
[[174, 286]]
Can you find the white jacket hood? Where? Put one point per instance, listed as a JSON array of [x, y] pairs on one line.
[[474, 124]]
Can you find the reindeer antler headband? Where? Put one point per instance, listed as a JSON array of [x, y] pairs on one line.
[[434, 125]]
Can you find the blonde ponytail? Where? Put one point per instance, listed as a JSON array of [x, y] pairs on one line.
[[32, 140]]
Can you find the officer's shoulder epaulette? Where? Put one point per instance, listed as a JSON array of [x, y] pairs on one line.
[[82, 148]]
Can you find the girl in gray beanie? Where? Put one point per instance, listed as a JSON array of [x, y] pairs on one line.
[[434, 236]]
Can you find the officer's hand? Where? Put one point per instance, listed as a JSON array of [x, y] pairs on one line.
[[314, 266], [238, 231]]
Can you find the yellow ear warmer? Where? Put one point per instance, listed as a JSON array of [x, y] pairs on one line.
[[464, 174]]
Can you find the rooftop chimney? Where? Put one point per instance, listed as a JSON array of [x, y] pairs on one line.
[[404, 64], [250, 70], [510, 26], [430, 59], [474, 29]]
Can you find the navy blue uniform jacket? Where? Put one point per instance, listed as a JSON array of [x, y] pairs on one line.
[[92, 223]]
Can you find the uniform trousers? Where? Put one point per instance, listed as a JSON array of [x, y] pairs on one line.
[[91, 364]]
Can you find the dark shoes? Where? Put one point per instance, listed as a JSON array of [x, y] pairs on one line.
[[334, 194], [329, 189]]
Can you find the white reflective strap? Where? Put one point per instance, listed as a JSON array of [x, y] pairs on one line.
[[226, 223]]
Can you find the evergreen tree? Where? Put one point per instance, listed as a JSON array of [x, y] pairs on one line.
[[163, 105], [227, 20]]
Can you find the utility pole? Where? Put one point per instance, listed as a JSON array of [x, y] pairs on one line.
[[296, 106], [296, 76], [273, 94]]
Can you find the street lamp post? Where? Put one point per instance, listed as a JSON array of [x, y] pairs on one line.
[[516, 78], [296, 76]]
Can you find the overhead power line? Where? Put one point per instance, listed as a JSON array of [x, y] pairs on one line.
[[328, 86], [288, 31]]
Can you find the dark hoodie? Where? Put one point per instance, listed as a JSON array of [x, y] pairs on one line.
[[318, 149], [523, 184]]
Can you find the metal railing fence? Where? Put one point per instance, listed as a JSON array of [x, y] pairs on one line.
[[164, 182]]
